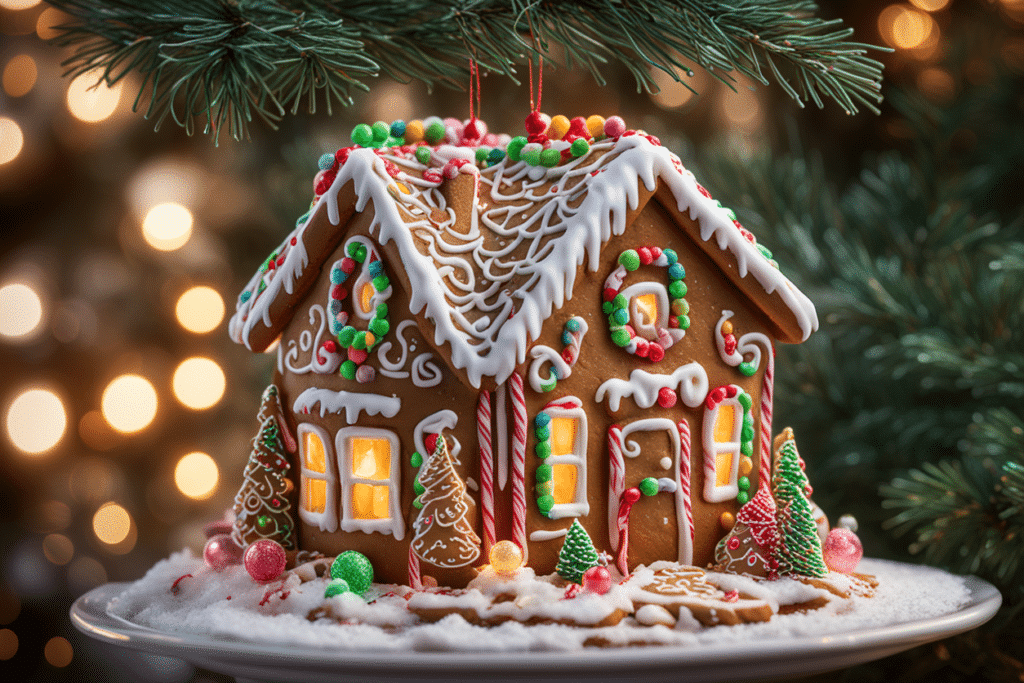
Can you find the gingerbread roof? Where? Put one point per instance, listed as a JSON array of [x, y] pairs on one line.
[[489, 254]]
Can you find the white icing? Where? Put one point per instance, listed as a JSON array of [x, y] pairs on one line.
[[320, 361], [434, 424], [394, 524], [571, 407], [425, 372], [649, 615], [560, 369], [328, 519], [395, 369], [713, 493], [748, 343], [544, 535], [666, 463], [490, 317], [351, 402], [690, 381]]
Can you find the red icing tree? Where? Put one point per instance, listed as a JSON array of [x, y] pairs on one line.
[[750, 546], [444, 535], [262, 506]]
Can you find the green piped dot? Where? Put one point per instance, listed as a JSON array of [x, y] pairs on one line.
[[423, 154], [747, 433], [620, 301], [348, 370], [683, 322], [649, 486], [435, 132], [481, 154], [747, 369], [629, 259], [549, 158], [346, 336], [359, 341], [382, 311], [743, 483], [607, 307], [542, 449], [417, 503], [381, 282], [620, 337], [416, 460], [362, 135], [379, 327], [677, 289], [418, 488], [545, 503], [744, 399], [747, 448], [543, 433], [381, 131], [579, 147], [515, 148], [543, 473], [742, 497], [532, 157]]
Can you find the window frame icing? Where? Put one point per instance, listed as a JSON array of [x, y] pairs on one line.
[[328, 519], [395, 523]]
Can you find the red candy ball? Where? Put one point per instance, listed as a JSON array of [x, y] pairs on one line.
[[221, 551], [265, 560], [842, 550], [666, 397], [535, 123], [597, 580]]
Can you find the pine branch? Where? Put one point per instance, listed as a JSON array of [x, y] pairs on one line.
[[227, 62]]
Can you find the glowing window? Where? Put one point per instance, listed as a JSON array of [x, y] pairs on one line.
[[317, 496], [366, 293], [723, 426], [648, 308], [568, 458], [370, 487]]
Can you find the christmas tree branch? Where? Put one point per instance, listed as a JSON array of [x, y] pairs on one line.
[[228, 62]]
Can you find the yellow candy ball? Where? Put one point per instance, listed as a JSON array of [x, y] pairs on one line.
[[746, 465], [727, 327], [727, 520], [558, 128], [506, 557], [595, 124], [414, 132]]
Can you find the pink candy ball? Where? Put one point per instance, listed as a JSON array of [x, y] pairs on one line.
[[842, 550], [597, 580], [221, 551], [265, 560], [614, 126]]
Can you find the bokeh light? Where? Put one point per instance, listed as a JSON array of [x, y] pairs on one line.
[[48, 20], [167, 226], [36, 421], [19, 4], [200, 309], [20, 75], [196, 475], [112, 524], [907, 28], [90, 101], [85, 573], [58, 652], [8, 644], [930, 5], [11, 140], [58, 549], [671, 93], [21, 310], [129, 403], [199, 383]]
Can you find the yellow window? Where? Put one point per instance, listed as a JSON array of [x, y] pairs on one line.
[[314, 497], [647, 306], [371, 458], [370, 502], [366, 296], [724, 423], [723, 469], [563, 435], [563, 477], [315, 458]]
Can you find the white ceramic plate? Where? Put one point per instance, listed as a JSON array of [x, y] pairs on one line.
[[727, 661]]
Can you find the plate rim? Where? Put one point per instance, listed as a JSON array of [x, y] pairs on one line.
[[89, 614]]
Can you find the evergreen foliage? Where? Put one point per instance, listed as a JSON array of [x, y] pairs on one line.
[[228, 62], [577, 554]]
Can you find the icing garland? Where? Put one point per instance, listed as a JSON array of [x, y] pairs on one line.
[[545, 485], [616, 306], [561, 363], [733, 351], [358, 343], [746, 463]]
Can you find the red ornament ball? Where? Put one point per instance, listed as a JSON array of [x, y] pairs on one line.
[[842, 550], [597, 580], [535, 124], [265, 560], [221, 551]]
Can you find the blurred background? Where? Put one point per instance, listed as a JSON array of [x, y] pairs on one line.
[[127, 413]]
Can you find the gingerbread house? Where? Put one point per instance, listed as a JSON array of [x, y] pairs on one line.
[[592, 340]]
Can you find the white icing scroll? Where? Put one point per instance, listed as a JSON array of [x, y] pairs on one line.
[[748, 343], [351, 402], [433, 424], [560, 368], [425, 372], [543, 535], [396, 369], [320, 361], [690, 381]]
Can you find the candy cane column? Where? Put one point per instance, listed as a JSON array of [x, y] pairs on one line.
[[483, 432], [518, 462]]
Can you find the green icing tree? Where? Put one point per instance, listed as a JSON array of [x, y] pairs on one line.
[[799, 551], [577, 554]]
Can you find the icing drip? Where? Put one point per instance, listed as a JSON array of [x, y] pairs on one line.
[[351, 402], [690, 380]]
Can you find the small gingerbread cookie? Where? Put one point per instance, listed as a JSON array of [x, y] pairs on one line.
[[675, 587]]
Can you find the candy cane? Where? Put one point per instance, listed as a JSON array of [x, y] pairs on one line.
[[483, 432], [415, 581], [767, 389], [629, 497], [518, 462], [616, 482], [684, 475]]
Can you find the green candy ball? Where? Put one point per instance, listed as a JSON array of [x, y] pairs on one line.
[[481, 153], [416, 460], [542, 449], [380, 131], [362, 135], [545, 503], [336, 587], [355, 569], [515, 148], [579, 147], [550, 158], [742, 497], [649, 486], [677, 290], [532, 157], [620, 337], [348, 370], [435, 132], [423, 154]]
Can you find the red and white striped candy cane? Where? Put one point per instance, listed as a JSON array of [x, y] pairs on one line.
[[518, 462], [684, 475], [616, 482], [483, 433], [629, 497], [415, 581], [767, 389]]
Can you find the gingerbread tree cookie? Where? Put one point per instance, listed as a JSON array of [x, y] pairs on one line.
[[577, 554], [799, 551], [674, 587], [262, 506], [749, 547], [444, 535]]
